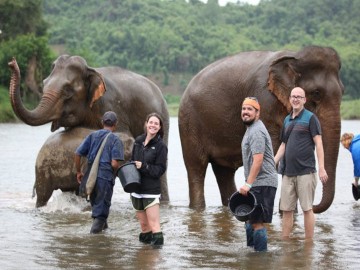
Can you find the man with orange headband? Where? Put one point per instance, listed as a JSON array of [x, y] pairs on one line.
[[352, 143], [260, 173]]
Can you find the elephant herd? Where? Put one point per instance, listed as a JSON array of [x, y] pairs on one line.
[[75, 96]]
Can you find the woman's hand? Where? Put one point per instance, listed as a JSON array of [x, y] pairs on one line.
[[138, 164]]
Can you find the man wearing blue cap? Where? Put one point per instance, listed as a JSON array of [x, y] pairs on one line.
[[112, 153]]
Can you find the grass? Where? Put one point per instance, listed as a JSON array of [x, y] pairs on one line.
[[350, 109], [173, 102], [6, 111]]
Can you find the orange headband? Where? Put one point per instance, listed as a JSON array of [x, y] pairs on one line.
[[252, 102]]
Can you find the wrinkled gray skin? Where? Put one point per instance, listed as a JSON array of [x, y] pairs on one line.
[[55, 167], [76, 95], [211, 129]]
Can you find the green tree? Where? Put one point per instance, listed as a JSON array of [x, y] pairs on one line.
[[23, 36], [19, 17]]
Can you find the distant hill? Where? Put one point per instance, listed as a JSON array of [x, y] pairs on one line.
[[162, 39]]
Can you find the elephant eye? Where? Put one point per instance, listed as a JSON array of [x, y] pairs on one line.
[[316, 95], [68, 92]]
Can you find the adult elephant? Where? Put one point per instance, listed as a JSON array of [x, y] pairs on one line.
[[210, 123], [76, 95], [55, 167]]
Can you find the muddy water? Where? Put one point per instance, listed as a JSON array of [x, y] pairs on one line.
[[57, 236]]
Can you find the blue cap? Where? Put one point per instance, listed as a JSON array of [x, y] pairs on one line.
[[109, 118]]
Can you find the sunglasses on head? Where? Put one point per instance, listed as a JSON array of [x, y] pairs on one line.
[[253, 98]]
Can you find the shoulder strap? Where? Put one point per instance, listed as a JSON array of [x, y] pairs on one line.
[[94, 169], [291, 127]]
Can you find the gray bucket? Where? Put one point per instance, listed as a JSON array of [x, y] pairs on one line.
[[129, 177], [242, 206]]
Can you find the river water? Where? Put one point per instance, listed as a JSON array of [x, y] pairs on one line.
[[57, 235]]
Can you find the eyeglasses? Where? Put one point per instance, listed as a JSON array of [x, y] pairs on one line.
[[297, 97]]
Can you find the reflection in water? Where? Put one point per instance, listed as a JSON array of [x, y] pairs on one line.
[[296, 253], [57, 236]]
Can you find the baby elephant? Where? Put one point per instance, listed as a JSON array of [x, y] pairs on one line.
[[55, 168]]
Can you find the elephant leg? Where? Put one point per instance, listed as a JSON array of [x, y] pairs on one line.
[[43, 196], [196, 170], [226, 182], [164, 188], [43, 189]]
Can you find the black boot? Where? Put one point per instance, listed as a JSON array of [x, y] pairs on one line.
[[157, 239], [145, 237], [106, 225], [97, 226]]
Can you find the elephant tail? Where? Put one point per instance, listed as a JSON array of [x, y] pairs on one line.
[[33, 192]]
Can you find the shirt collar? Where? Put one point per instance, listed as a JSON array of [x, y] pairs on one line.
[[298, 116]]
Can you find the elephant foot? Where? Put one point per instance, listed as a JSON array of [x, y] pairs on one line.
[[98, 225]]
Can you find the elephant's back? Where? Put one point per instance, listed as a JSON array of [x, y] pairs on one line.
[[61, 145], [128, 81], [210, 108], [134, 93]]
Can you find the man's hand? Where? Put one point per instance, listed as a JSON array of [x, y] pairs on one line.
[[244, 190], [79, 176], [323, 175]]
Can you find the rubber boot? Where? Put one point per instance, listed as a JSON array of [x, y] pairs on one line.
[[260, 240], [157, 239], [145, 237], [106, 225], [249, 235], [97, 226]]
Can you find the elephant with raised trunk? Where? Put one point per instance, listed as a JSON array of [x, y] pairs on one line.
[[55, 167], [210, 123], [76, 95]]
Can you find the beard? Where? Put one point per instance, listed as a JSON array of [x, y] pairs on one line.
[[248, 122]]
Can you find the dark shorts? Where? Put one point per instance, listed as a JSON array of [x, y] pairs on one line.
[[265, 197], [140, 204]]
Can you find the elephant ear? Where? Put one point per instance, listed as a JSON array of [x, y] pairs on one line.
[[282, 79], [97, 86]]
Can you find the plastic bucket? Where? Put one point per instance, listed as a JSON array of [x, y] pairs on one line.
[[129, 177], [242, 206]]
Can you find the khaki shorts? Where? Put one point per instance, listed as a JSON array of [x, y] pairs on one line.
[[141, 204], [300, 187]]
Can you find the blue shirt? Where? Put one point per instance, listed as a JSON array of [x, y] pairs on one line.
[[300, 146], [354, 148], [113, 150]]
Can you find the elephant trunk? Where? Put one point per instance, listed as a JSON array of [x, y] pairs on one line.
[[331, 138], [41, 114]]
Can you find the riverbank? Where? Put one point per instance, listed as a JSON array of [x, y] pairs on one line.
[[350, 109]]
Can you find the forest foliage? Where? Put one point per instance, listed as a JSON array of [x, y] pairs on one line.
[[173, 36], [170, 37]]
